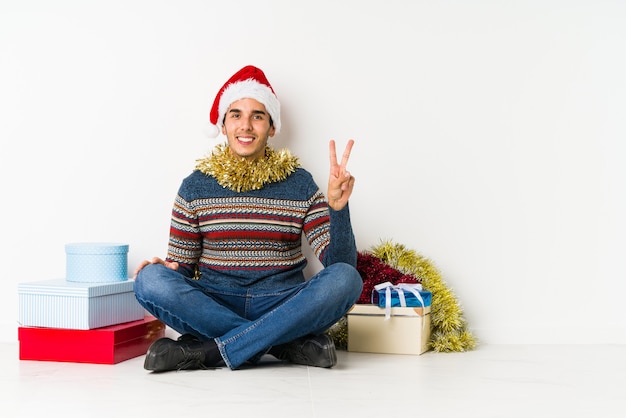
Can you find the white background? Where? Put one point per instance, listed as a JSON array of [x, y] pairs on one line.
[[489, 137]]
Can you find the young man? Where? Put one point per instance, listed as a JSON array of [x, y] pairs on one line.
[[232, 283]]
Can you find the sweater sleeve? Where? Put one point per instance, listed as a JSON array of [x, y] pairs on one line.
[[329, 232], [342, 245], [185, 242]]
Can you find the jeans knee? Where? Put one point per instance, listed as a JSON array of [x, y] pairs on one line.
[[146, 282], [349, 279], [356, 281]]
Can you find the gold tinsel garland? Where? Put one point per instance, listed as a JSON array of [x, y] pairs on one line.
[[449, 327], [449, 331], [242, 175]]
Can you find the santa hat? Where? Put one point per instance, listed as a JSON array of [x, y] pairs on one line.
[[247, 83]]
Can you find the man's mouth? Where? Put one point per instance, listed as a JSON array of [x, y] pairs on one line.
[[245, 140]]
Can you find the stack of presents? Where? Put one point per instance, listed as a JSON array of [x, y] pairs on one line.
[[397, 321], [90, 316]]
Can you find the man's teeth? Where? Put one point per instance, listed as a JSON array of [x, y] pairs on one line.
[[248, 140]]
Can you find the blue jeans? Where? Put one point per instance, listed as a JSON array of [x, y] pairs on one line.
[[246, 323]]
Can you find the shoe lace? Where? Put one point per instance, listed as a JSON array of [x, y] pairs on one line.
[[192, 360], [295, 351], [294, 354]]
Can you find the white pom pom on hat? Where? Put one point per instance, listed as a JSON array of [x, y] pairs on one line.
[[211, 130], [248, 83]]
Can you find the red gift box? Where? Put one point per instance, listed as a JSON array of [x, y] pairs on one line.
[[106, 345]]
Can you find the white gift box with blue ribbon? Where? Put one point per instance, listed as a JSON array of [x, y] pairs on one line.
[[406, 331], [391, 327]]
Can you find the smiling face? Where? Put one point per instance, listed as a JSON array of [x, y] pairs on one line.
[[247, 126]]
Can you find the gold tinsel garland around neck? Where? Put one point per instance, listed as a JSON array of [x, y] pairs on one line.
[[242, 175]]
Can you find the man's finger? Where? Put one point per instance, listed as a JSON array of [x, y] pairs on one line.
[[333, 153], [346, 153]]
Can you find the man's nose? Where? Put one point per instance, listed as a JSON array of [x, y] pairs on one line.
[[246, 124]]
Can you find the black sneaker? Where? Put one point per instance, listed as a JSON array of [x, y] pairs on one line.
[[166, 354], [316, 351]]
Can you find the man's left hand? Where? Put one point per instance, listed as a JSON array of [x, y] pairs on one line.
[[340, 181]]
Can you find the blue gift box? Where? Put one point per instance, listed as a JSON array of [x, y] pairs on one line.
[[379, 296], [96, 262], [59, 303]]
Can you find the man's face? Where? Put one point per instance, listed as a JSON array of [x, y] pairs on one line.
[[247, 128]]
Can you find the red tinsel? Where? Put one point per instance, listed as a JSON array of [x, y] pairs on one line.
[[373, 271]]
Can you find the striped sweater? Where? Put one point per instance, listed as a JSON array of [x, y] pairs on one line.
[[254, 238]]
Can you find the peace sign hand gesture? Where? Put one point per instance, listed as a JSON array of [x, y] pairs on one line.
[[340, 182]]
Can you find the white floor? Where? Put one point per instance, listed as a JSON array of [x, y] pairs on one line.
[[493, 381]]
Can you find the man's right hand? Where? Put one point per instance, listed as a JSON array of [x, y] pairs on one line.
[[156, 260]]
